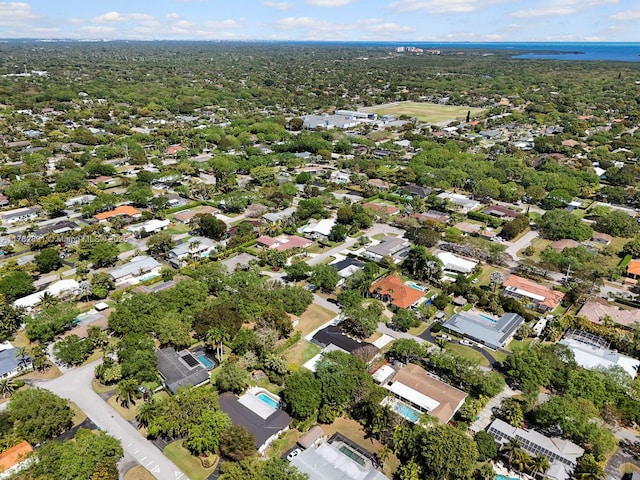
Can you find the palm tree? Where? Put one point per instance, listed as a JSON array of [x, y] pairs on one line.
[[47, 300], [441, 342], [216, 336], [7, 387], [509, 448], [126, 391], [539, 464], [147, 412], [521, 460], [23, 357], [383, 455]]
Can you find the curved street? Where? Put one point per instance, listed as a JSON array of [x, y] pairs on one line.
[[75, 385]]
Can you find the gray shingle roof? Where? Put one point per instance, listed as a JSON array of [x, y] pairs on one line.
[[493, 334], [176, 372]]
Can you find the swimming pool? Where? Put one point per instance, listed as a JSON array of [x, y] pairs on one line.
[[504, 477], [268, 400], [406, 411], [415, 286], [489, 319], [149, 276], [351, 454], [206, 361]]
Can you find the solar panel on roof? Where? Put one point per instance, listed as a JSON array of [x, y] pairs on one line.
[[190, 360]]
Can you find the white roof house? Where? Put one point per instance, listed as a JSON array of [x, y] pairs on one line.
[[57, 289], [135, 270], [195, 246], [150, 226], [592, 357], [455, 263], [321, 228], [465, 204]]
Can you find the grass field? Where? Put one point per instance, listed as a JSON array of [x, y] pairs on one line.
[[187, 462], [425, 112], [314, 317], [138, 473], [468, 353]]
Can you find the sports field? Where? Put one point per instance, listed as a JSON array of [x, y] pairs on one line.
[[425, 112]]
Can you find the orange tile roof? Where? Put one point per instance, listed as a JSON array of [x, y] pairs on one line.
[[14, 455], [401, 295], [634, 267], [552, 298], [122, 210]]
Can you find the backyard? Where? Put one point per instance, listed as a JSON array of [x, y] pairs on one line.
[[190, 465]]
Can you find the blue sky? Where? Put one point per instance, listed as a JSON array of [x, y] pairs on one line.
[[362, 20]]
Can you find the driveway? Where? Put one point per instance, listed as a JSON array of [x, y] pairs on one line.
[[522, 242], [75, 385]]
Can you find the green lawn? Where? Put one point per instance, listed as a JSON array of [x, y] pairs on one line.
[[426, 112], [467, 352], [189, 464], [517, 345], [177, 229], [125, 247], [301, 351]]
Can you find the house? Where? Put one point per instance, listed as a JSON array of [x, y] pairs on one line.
[[80, 200], [455, 264], [125, 211], [602, 238], [240, 261], [191, 248], [394, 247], [347, 267], [462, 203], [319, 229], [104, 180], [149, 227], [392, 290], [56, 228], [340, 177], [633, 269], [500, 212], [484, 329], [560, 245], [379, 184], [334, 335], [275, 217], [415, 387], [26, 214], [4, 201], [180, 369], [592, 352], [138, 269], [562, 454], [388, 209], [15, 458], [174, 149], [337, 459], [596, 310], [283, 242], [541, 298], [418, 191], [259, 412], [60, 289], [431, 216], [11, 362], [185, 216]]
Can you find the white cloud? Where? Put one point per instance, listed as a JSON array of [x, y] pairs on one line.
[[330, 3], [439, 7], [389, 29], [278, 5], [115, 17], [544, 12], [16, 13], [626, 16]]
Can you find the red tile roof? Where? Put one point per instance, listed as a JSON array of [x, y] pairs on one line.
[[552, 298], [14, 455], [390, 209], [402, 296], [634, 267], [126, 210]]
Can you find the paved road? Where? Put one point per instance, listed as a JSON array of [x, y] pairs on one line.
[[75, 385], [523, 242]]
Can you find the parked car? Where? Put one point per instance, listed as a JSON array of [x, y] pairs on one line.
[[466, 342], [293, 454], [446, 337]]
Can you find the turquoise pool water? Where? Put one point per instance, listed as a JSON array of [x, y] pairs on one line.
[[406, 411], [504, 477], [268, 400], [415, 286], [204, 360], [489, 319], [149, 276]]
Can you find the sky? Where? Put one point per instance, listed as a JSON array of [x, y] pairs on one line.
[[334, 20]]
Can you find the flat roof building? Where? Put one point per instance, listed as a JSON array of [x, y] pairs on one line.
[[592, 356], [494, 333], [456, 264]]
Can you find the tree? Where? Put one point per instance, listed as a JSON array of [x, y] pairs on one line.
[[53, 204], [632, 248], [422, 265], [232, 378], [73, 179], [10, 319], [73, 350], [127, 391], [16, 285], [48, 260], [204, 436], [511, 412], [160, 243], [617, 224], [407, 350], [588, 468], [101, 284], [302, 394], [297, 271], [252, 468], [210, 226], [487, 446], [38, 415], [7, 387], [338, 233], [362, 322], [539, 464], [559, 224], [101, 254], [325, 276], [49, 322], [405, 319], [237, 443]]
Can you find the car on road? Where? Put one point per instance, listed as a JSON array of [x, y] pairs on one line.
[[293, 454], [466, 342]]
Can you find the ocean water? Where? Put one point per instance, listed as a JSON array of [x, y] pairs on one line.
[[603, 51]]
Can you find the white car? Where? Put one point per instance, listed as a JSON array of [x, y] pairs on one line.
[[466, 342], [293, 454], [445, 337]]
